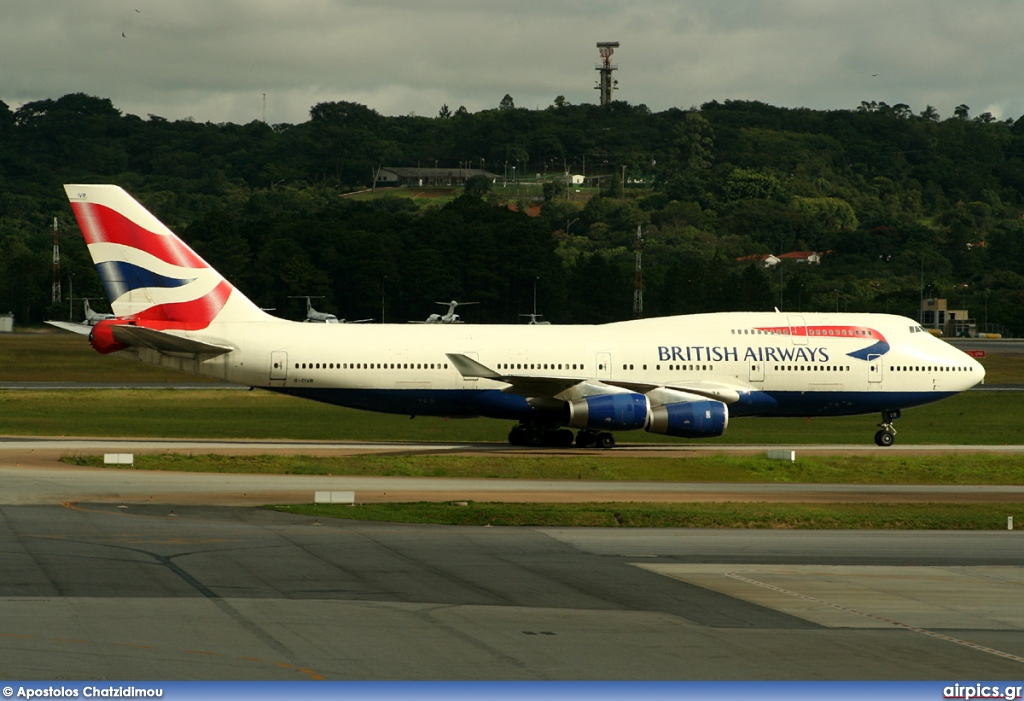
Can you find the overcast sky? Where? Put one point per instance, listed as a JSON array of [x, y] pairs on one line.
[[214, 60]]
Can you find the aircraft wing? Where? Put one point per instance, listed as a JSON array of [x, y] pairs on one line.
[[83, 329], [524, 385], [534, 386], [712, 390], [164, 342]]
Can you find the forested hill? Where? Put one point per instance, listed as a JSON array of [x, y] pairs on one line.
[[901, 203]]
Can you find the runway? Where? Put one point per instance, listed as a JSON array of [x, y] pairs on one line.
[[122, 574]]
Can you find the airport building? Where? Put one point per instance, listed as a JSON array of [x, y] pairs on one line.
[[429, 177], [937, 317]]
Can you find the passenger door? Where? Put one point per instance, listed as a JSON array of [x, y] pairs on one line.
[[278, 365], [874, 372], [798, 330]]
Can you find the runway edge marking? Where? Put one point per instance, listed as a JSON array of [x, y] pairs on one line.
[[898, 624]]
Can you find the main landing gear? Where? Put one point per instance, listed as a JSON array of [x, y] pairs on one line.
[[540, 436], [887, 436], [536, 436], [594, 439]]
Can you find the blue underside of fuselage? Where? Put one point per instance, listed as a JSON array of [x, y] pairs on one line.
[[500, 405]]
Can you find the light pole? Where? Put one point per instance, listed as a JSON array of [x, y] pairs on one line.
[[782, 285]]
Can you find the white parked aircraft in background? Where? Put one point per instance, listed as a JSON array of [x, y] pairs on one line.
[[315, 317], [85, 326], [449, 317], [682, 376], [92, 318]]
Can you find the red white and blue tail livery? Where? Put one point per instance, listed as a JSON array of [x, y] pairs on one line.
[[683, 376], [153, 280], [148, 272]]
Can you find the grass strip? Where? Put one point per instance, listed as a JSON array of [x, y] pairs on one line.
[[872, 468], [971, 418], [704, 515]]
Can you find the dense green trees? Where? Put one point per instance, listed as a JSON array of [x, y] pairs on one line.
[[904, 204]]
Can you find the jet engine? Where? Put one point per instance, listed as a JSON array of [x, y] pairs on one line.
[[609, 412], [704, 418]]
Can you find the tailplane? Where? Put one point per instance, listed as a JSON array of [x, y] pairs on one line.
[[150, 275]]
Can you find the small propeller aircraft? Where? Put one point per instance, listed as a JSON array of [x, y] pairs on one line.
[[83, 327], [313, 316], [92, 318]]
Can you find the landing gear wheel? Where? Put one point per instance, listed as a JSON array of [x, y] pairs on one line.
[[534, 438], [605, 441], [586, 439], [538, 435], [562, 438], [517, 436], [887, 436], [523, 435]]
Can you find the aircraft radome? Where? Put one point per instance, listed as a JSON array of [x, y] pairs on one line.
[[682, 376]]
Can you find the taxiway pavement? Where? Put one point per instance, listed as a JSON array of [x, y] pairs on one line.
[[121, 574]]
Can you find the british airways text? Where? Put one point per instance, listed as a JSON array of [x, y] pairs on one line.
[[689, 354]]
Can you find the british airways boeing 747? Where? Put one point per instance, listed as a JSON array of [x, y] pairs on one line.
[[682, 376]]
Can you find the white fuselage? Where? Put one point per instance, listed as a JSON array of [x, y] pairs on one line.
[[781, 364]]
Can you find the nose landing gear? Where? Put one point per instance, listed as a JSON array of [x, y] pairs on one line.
[[887, 435]]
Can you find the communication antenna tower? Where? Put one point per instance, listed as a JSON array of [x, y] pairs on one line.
[[605, 83], [638, 287], [55, 297]]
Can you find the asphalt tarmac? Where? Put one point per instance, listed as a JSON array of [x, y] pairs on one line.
[[118, 574]]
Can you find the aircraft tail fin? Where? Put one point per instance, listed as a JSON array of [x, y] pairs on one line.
[[150, 275]]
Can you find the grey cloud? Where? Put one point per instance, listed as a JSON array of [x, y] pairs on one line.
[[214, 61]]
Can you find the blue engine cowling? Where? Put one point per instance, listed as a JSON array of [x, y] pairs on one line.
[[701, 419], [609, 412]]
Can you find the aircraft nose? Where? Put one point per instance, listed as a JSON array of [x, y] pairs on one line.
[[977, 372]]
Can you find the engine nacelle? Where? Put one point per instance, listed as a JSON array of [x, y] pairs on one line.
[[699, 419], [102, 338], [609, 412]]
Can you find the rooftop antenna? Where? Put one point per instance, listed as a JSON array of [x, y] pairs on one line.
[[605, 83], [55, 296], [638, 286]]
